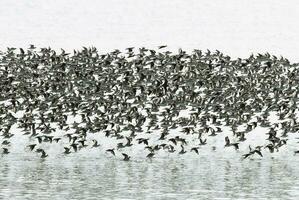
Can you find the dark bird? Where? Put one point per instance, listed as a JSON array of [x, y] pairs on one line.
[[56, 140], [111, 151], [31, 146], [75, 147], [44, 155], [162, 46], [228, 143], [95, 143], [182, 150], [195, 149], [202, 142], [5, 142], [5, 151], [126, 157], [67, 150], [150, 155], [258, 152]]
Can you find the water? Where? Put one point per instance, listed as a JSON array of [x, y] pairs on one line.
[[84, 177]]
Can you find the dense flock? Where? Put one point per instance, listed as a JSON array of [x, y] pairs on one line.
[[153, 102]]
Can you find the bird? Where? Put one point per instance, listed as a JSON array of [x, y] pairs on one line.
[[5, 142], [111, 151], [5, 150], [203, 142], [162, 46], [31, 146], [95, 144], [75, 147], [141, 98], [195, 149], [247, 155], [56, 139], [150, 155], [67, 150], [257, 150], [126, 157], [182, 150], [228, 143], [44, 155]]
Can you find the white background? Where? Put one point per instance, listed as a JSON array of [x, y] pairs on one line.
[[236, 27]]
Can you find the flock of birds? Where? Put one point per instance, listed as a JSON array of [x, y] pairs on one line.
[[154, 99]]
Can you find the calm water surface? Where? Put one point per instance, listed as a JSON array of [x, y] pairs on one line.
[[85, 177]]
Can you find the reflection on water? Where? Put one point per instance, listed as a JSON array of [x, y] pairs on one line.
[[167, 178]]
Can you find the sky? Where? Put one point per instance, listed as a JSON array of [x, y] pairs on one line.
[[235, 27]]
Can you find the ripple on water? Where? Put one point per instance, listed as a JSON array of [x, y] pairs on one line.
[[165, 178]]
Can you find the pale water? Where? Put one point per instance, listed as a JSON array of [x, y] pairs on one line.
[[85, 177]]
